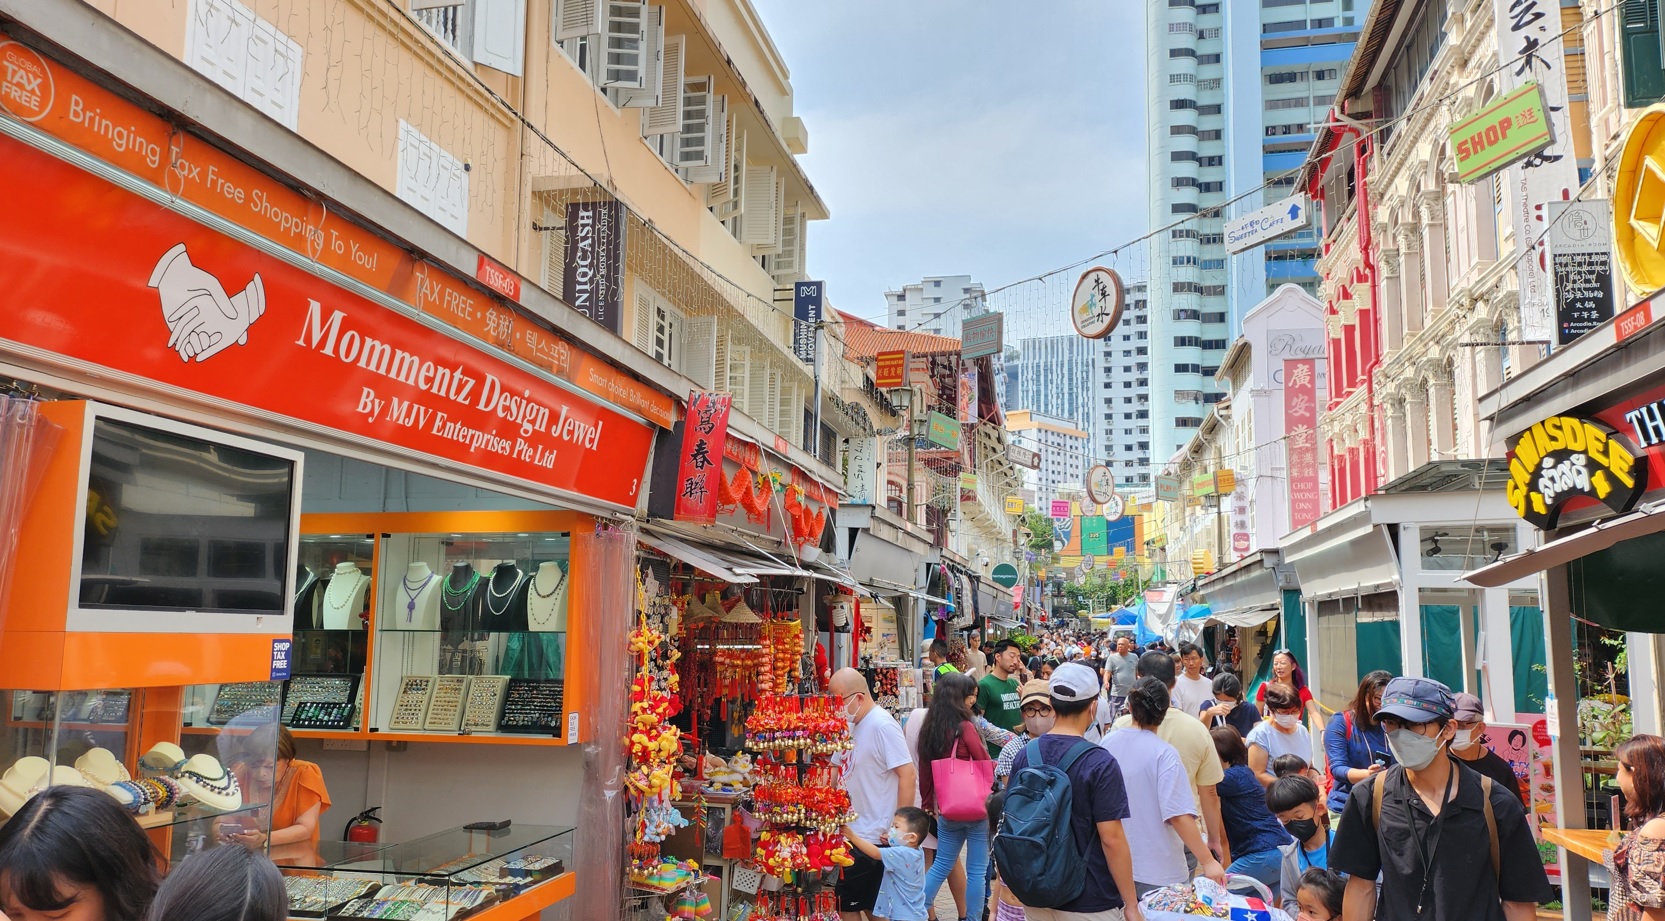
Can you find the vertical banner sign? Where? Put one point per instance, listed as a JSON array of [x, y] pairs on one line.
[[1300, 427], [1581, 260], [1529, 45], [807, 300], [861, 471], [703, 433], [968, 396], [594, 277]]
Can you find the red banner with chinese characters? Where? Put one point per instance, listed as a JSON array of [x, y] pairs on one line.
[[1300, 427], [698, 475], [125, 288]]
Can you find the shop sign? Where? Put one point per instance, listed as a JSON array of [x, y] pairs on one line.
[[1061, 508], [1529, 37], [1279, 219], [1564, 458], [944, 431], [890, 370], [1636, 202], [1503, 131], [1166, 488], [981, 336], [1114, 509], [807, 300], [1225, 482], [1005, 575], [1101, 484], [281, 649], [1014, 505], [1581, 261], [1300, 427], [1202, 484], [497, 278], [1095, 535], [594, 277], [1023, 457], [968, 482], [1096, 306], [704, 431], [861, 471], [199, 313], [968, 396], [78, 112], [1633, 321]]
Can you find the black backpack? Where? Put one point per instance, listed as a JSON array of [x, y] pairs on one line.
[[1035, 845]]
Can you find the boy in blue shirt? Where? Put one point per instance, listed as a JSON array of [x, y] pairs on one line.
[[902, 892]]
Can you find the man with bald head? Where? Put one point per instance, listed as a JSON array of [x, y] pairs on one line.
[[879, 775]]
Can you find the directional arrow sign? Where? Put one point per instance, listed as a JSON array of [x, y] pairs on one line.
[[1269, 223]]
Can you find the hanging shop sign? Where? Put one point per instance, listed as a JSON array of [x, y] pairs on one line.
[[968, 396], [943, 431], [807, 300], [1061, 509], [1115, 509], [1506, 130], [700, 468], [1023, 457], [594, 279], [196, 311], [1581, 263], [1300, 428], [74, 110], [1278, 219], [861, 471], [1636, 235], [1166, 488], [968, 482], [1225, 482], [1014, 505], [1095, 535], [1563, 458], [1004, 575], [1202, 484], [982, 336], [1096, 307], [890, 370], [1101, 484]]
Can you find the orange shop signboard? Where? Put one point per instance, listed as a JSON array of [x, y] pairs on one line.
[[62, 103], [101, 275]]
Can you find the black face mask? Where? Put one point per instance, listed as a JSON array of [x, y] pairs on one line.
[[1302, 829]]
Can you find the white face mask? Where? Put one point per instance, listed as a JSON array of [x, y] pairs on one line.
[[1465, 738], [1225, 705], [1286, 720], [852, 709]]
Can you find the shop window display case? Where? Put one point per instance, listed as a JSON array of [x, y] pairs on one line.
[[193, 794], [508, 873]]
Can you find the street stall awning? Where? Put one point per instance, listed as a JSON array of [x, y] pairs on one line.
[[1247, 585], [700, 558], [1348, 554], [891, 590], [1246, 617], [1645, 520]]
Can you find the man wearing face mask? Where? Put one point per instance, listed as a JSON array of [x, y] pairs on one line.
[[1038, 718], [1467, 745], [1447, 842]]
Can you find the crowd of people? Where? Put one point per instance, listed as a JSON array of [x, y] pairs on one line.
[[1153, 773]]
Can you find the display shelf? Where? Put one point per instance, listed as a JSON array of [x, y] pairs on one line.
[[493, 738]]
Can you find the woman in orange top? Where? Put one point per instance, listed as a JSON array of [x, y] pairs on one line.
[[299, 798]]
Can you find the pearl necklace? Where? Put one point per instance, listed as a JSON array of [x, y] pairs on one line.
[[491, 592], [549, 614], [347, 596]]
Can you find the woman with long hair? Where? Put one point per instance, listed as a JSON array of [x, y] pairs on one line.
[[949, 732], [74, 854], [1354, 745], [1638, 866], [1286, 669]]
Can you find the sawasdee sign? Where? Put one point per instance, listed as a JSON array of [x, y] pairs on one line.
[[104, 277], [1564, 458]]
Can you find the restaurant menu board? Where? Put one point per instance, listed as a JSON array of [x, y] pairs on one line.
[[1526, 746]]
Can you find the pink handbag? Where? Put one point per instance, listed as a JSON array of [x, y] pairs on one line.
[[962, 786]]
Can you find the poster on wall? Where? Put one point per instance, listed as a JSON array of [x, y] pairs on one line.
[[1526, 746]]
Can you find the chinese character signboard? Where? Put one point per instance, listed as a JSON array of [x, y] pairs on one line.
[[1095, 536], [980, 336], [1300, 426], [1581, 258], [703, 433], [861, 471], [1060, 508], [1014, 505], [1023, 457], [807, 298], [890, 370], [1564, 458], [944, 431], [594, 280]]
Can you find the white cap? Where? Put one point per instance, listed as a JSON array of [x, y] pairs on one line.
[[1073, 681]]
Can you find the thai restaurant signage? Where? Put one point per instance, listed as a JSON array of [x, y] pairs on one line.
[[1564, 458], [57, 101], [111, 280]]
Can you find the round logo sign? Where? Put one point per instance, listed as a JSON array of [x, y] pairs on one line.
[[1096, 307], [1004, 575], [1101, 485], [1114, 509], [1635, 239], [26, 88]]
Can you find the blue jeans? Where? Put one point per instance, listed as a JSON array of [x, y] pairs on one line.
[[973, 837], [1266, 866]]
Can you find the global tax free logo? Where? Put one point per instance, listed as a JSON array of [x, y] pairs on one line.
[[26, 89]]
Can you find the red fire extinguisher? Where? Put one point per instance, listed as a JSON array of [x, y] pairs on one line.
[[363, 828]]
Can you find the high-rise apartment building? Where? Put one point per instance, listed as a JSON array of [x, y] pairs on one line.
[[1064, 449], [1055, 376], [936, 305], [1123, 385], [1233, 92]]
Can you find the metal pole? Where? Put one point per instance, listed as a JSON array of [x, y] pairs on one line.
[[815, 439], [911, 448]]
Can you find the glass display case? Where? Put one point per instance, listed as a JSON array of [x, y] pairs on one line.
[[442, 877], [471, 633], [210, 787]]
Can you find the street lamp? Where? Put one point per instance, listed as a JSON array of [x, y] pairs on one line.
[[902, 399]]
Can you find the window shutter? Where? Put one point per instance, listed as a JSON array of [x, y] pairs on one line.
[[644, 318], [273, 80], [217, 42], [653, 65], [716, 145], [789, 409], [719, 369], [761, 387], [733, 198], [739, 376], [500, 34], [788, 265], [578, 18], [666, 117], [1639, 38], [554, 252], [699, 351], [623, 61], [694, 138], [431, 180], [760, 221]]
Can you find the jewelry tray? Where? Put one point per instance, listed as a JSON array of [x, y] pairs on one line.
[[533, 705], [320, 701]]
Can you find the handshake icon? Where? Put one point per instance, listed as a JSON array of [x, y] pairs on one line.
[[202, 320]]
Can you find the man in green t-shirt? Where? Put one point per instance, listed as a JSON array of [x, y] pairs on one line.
[[997, 693], [938, 657]]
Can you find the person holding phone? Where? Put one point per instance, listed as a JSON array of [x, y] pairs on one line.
[[298, 798], [1354, 744]]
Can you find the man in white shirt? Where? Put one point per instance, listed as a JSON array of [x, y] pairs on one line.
[[1191, 689], [879, 775], [1190, 738]]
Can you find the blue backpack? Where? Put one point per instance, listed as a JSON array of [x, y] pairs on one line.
[[1035, 845]]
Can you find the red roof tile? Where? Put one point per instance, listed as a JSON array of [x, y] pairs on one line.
[[865, 339]]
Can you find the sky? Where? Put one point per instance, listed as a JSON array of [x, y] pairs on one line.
[[950, 137]]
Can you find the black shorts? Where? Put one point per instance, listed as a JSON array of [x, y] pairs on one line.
[[858, 885]]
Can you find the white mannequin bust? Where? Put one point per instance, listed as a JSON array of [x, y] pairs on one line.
[[546, 599], [343, 598], [414, 604]]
